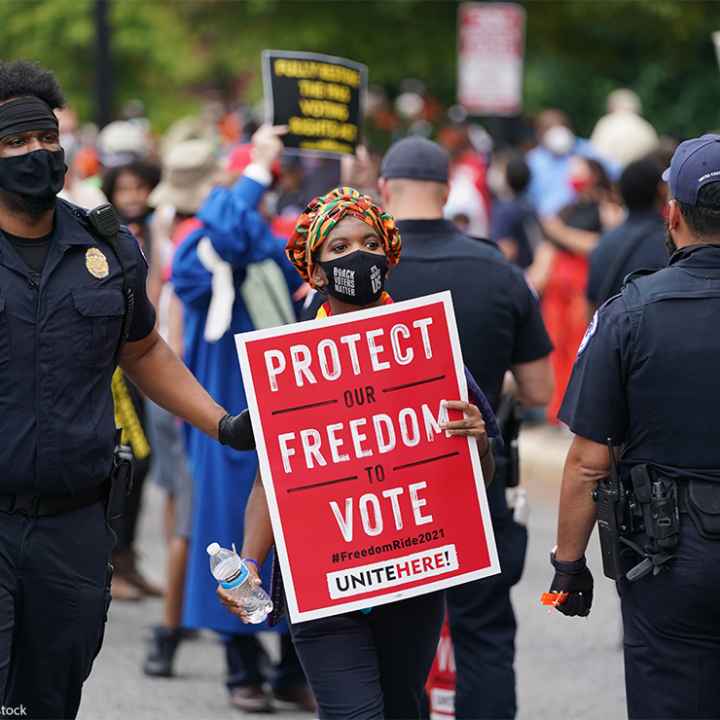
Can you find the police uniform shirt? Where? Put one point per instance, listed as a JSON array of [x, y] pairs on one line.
[[637, 244], [498, 316], [59, 334], [646, 374]]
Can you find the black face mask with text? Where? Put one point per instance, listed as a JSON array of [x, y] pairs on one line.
[[357, 278], [31, 181]]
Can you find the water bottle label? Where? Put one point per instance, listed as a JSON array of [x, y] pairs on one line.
[[239, 580]]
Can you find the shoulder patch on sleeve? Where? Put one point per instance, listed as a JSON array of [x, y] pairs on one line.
[[638, 273], [592, 327]]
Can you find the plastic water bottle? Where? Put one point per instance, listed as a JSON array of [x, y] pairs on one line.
[[228, 568]]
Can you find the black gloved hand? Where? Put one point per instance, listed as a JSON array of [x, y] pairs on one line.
[[236, 431], [575, 579]]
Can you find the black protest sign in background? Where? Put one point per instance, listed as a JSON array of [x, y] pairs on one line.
[[319, 98]]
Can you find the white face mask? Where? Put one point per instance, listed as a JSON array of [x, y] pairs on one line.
[[559, 140], [496, 180]]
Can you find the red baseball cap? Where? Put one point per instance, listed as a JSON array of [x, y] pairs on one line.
[[241, 156]]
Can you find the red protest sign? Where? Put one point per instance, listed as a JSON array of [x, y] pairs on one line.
[[370, 501]]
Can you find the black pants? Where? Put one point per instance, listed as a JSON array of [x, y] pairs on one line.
[[482, 625], [54, 594], [372, 666], [248, 663], [671, 628]]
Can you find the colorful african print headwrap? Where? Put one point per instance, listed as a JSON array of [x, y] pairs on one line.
[[325, 212]]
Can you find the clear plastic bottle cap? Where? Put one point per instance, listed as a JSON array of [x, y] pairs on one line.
[[213, 548]]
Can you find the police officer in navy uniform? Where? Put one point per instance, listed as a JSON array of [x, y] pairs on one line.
[[500, 329], [646, 378], [72, 304]]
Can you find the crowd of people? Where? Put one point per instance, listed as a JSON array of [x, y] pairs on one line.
[[574, 215], [552, 226]]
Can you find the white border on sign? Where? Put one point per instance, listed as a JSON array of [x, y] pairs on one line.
[[241, 341], [320, 57]]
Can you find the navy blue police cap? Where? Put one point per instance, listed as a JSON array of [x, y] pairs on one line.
[[416, 158], [695, 163]]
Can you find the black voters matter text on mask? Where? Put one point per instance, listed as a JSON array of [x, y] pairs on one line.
[[357, 278]]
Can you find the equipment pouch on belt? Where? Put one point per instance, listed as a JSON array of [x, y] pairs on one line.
[[507, 460], [703, 501], [656, 500], [120, 481]]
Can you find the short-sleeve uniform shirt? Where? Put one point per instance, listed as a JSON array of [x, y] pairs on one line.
[[60, 332], [646, 374]]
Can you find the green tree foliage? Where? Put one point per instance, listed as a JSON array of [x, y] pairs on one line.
[[165, 51], [154, 53]]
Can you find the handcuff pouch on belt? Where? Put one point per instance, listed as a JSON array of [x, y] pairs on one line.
[[703, 506]]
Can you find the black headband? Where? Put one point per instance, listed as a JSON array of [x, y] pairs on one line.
[[25, 114]]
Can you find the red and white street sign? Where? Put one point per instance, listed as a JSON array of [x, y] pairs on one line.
[[370, 501], [491, 46]]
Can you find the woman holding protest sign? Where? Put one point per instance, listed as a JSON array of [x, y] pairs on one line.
[[373, 663]]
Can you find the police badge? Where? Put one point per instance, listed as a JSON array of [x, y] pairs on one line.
[[96, 263]]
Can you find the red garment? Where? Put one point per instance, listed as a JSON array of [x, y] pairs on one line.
[[477, 164], [181, 231], [565, 312], [241, 156], [440, 685], [326, 311]]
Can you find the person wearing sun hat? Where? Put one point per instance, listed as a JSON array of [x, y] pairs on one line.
[[210, 270]]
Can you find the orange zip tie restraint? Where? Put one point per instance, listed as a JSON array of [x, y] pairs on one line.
[[553, 599]]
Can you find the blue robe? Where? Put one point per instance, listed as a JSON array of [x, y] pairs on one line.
[[222, 477]]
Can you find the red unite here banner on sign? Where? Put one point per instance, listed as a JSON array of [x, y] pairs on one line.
[[370, 501]]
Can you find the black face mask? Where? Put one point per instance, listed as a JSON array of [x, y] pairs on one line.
[[670, 245], [33, 180], [357, 278]]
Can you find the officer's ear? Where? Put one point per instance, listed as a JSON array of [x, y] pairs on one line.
[[674, 216], [384, 191], [444, 193]]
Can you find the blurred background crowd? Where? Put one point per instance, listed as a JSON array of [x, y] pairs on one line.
[[165, 98]]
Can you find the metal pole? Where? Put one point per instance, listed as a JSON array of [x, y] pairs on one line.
[[103, 65]]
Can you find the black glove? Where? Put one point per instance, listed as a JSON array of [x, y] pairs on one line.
[[236, 431], [575, 579]]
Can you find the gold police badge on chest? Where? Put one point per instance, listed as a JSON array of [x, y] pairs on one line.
[[96, 263]]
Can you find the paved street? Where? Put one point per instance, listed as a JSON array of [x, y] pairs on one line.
[[566, 667]]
